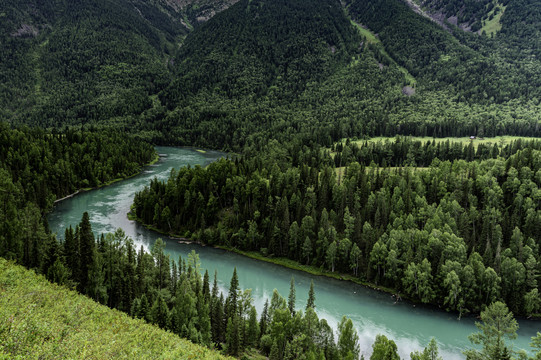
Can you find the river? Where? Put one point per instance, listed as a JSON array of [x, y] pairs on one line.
[[372, 312]]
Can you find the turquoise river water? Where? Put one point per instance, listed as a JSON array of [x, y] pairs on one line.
[[372, 312]]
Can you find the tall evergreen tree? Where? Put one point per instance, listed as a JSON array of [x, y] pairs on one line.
[[348, 340], [291, 297], [497, 324], [86, 249], [311, 303], [233, 336], [232, 297], [263, 322]]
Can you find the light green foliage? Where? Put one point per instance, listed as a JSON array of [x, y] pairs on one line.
[[384, 349], [497, 325], [348, 340], [430, 352], [536, 345], [61, 322]]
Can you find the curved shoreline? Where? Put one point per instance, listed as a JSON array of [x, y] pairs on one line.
[[285, 262], [111, 182], [312, 270]]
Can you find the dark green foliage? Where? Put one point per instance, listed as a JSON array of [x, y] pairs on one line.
[[443, 233], [36, 167], [258, 44], [291, 297], [466, 11], [86, 251], [83, 61], [311, 302]]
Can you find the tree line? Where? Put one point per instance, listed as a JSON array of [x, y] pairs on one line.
[[459, 234], [37, 167], [175, 296]]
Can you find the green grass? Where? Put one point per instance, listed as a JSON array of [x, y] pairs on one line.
[[40, 320], [500, 140], [373, 39], [494, 25], [369, 35]]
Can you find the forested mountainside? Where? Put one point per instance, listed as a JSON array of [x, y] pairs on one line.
[[517, 17], [72, 62], [66, 62], [267, 69], [464, 84]]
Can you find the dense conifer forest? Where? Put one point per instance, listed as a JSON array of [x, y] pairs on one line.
[[294, 90]]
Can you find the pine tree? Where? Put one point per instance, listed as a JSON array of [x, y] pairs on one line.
[[498, 323], [143, 311], [231, 303], [311, 303], [291, 298], [71, 253], [253, 328], [86, 250], [232, 336], [275, 351], [264, 319], [160, 312], [348, 340], [204, 324], [206, 287]]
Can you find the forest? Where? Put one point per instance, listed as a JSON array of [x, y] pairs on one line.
[[294, 90], [460, 233]]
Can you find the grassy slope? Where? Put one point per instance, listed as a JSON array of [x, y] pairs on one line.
[[500, 140], [43, 320], [373, 39], [494, 25]]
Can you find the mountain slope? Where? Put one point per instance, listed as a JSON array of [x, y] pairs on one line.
[[81, 61], [39, 319], [265, 69], [257, 44]]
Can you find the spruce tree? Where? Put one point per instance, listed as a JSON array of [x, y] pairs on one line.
[[291, 298], [264, 319], [231, 302], [311, 303], [86, 250], [206, 287], [71, 253], [348, 340], [160, 312], [253, 328], [232, 336], [275, 351]]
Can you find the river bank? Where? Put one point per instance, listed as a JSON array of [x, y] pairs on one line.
[[154, 160], [313, 270], [372, 312], [283, 262]]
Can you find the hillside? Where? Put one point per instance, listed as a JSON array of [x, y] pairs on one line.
[[90, 61], [41, 320], [260, 69]]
